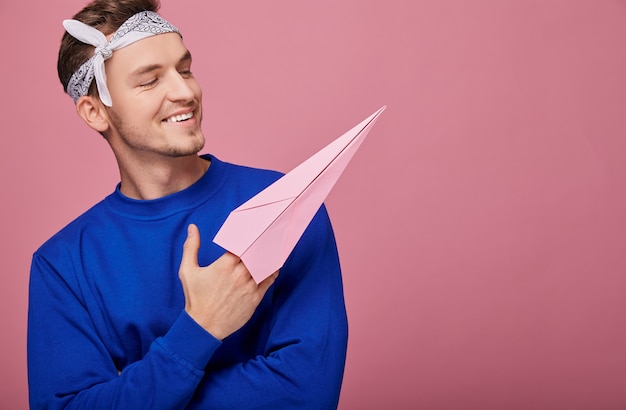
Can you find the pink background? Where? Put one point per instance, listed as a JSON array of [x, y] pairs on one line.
[[481, 226]]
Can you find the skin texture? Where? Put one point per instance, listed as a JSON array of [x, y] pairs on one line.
[[150, 81]]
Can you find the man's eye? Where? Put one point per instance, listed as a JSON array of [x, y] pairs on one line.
[[148, 84]]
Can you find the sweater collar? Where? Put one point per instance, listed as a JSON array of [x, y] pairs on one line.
[[202, 190]]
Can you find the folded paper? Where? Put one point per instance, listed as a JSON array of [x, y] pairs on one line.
[[265, 229]]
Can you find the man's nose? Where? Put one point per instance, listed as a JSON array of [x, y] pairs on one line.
[[179, 88]]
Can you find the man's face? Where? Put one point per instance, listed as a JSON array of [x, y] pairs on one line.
[[156, 100]]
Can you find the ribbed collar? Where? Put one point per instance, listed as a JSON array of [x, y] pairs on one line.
[[201, 191]]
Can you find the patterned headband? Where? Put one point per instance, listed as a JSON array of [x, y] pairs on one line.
[[139, 26]]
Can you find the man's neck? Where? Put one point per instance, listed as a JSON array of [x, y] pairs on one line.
[[156, 180]]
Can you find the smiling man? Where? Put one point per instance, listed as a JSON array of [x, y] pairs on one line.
[[127, 309]]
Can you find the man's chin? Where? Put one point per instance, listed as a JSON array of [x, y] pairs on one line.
[[187, 151]]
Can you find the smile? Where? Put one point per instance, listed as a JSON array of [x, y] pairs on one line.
[[179, 118]]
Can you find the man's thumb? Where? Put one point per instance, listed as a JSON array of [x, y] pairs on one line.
[[191, 246]]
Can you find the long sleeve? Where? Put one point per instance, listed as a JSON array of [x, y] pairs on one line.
[[303, 362], [107, 326], [69, 366]]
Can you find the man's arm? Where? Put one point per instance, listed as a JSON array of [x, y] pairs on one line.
[[70, 366], [303, 363]]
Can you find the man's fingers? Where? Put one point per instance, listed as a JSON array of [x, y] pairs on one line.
[[267, 282], [191, 246], [230, 258]]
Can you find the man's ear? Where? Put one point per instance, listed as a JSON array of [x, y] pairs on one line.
[[92, 111]]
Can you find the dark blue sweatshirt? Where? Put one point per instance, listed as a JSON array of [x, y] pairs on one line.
[[107, 326]]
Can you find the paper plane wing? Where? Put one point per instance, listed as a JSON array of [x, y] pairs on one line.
[[265, 229]]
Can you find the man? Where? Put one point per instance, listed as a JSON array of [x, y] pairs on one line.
[[127, 309]]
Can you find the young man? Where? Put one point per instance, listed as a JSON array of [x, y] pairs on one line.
[[127, 309]]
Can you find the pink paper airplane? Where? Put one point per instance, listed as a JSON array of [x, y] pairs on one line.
[[264, 230]]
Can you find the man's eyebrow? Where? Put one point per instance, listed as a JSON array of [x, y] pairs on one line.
[[135, 75], [185, 57]]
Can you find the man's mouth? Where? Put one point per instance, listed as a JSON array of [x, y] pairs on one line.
[[179, 118]]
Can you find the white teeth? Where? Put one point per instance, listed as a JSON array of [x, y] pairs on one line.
[[178, 118]]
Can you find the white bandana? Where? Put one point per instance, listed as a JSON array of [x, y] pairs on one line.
[[139, 26]]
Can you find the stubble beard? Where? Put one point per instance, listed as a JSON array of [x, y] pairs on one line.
[[127, 133]]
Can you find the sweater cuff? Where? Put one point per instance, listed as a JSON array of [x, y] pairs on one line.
[[187, 339]]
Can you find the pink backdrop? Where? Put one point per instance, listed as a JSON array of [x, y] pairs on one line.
[[481, 226]]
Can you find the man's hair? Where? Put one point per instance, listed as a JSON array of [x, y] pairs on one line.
[[106, 16]]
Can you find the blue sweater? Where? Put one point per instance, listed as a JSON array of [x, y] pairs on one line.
[[107, 326]]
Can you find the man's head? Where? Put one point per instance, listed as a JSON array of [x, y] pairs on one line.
[[153, 102]]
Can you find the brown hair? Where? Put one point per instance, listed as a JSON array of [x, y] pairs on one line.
[[105, 15]]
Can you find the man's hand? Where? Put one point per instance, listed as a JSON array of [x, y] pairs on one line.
[[220, 297]]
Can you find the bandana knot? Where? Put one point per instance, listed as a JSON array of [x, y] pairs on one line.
[[104, 51]]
